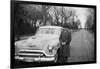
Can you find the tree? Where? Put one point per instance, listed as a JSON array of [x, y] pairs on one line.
[[90, 20], [62, 15], [27, 15], [45, 13]]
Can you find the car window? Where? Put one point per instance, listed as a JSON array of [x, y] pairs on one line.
[[48, 31]]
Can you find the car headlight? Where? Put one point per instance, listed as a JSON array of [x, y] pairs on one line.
[[50, 48], [15, 44], [16, 50]]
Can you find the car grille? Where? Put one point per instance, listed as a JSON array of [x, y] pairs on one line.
[[30, 54]]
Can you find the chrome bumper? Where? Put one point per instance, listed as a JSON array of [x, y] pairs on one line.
[[35, 59]]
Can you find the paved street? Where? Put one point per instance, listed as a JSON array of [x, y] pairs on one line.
[[82, 47]]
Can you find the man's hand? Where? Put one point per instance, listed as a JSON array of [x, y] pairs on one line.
[[63, 43]]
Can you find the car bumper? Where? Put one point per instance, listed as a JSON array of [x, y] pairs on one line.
[[35, 59]]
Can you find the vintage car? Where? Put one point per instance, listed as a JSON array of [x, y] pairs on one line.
[[43, 46]]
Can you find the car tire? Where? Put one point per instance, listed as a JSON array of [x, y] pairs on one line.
[[56, 58]]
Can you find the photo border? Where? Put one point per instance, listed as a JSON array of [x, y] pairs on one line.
[[12, 50]]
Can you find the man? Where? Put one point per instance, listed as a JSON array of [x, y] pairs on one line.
[[64, 51]]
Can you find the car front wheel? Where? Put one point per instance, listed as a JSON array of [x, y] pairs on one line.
[[56, 58]]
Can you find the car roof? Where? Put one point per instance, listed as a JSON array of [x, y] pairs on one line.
[[59, 27]]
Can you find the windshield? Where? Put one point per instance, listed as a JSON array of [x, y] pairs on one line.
[[48, 31]]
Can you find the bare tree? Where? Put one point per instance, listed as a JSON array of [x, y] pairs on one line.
[[90, 20]]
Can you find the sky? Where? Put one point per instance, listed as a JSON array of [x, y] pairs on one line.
[[82, 14]]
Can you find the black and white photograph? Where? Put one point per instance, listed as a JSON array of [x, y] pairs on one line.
[[52, 34]]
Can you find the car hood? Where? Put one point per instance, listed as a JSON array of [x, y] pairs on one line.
[[36, 42]]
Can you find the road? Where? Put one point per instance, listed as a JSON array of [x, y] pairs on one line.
[[81, 47]]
